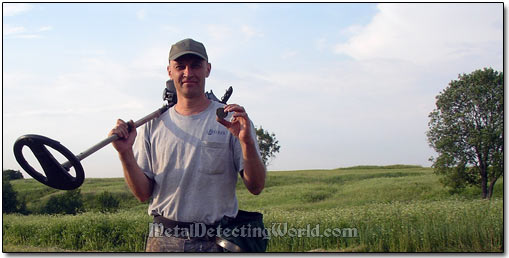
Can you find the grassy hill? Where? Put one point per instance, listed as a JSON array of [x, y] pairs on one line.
[[392, 208]]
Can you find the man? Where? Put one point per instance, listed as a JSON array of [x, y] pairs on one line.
[[187, 160]]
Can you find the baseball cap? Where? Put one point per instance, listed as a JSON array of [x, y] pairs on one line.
[[188, 46]]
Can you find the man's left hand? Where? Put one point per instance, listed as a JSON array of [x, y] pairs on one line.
[[240, 125]]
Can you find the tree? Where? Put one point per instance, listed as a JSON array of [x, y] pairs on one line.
[[268, 143], [467, 131], [11, 174], [10, 202], [9, 197]]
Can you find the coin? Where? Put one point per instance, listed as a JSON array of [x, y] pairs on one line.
[[220, 113]]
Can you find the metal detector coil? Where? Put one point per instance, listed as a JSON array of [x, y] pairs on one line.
[[57, 175]]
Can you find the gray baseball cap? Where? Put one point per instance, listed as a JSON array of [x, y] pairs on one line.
[[188, 46]]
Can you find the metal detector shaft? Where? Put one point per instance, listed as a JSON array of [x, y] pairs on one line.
[[67, 165]]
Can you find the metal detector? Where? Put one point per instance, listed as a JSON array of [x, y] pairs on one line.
[[57, 175]]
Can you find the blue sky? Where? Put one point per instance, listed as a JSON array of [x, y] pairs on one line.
[[339, 84]]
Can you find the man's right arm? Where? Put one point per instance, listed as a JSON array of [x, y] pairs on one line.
[[140, 185]]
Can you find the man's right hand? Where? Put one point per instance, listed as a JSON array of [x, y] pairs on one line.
[[126, 139], [138, 183]]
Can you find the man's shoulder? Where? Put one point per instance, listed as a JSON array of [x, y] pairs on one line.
[[217, 104], [155, 122]]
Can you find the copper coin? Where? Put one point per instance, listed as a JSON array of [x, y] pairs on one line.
[[220, 113]]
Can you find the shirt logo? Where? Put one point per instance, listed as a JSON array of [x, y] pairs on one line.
[[218, 132]]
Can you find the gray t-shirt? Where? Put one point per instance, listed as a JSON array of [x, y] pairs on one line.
[[193, 161]]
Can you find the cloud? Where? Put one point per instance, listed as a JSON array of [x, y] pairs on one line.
[[78, 106], [249, 32], [373, 108], [352, 30], [99, 79], [426, 33], [74, 111], [151, 62], [11, 30], [11, 9]]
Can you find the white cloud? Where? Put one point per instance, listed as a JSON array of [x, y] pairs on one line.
[[427, 33], [360, 108], [152, 62], [371, 108], [74, 111], [250, 32], [11, 9], [78, 106], [11, 30], [352, 30], [99, 85], [374, 107], [21, 32]]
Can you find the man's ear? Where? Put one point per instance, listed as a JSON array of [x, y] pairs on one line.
[[209, 67], [169, 71]]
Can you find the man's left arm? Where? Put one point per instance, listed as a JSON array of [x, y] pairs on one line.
[[240, 127]]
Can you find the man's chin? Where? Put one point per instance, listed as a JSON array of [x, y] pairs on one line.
[[190, 94]]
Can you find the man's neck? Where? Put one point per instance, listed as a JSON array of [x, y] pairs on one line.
[[188, 107]]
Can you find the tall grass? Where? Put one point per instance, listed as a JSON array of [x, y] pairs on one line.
[[91, 231], [436, 226], [393, 209]]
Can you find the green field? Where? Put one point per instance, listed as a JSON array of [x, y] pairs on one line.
[[392, 209]]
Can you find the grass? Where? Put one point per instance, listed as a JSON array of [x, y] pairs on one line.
[[394, 208], [32, 249]]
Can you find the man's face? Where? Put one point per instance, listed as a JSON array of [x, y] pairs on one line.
[[188, 73]]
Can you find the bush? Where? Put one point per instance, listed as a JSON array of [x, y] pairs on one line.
[[10, 174], [106, 202], [9, 201], [71, 202]]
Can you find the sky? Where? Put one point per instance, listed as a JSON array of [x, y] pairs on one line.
[[339, 84]]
